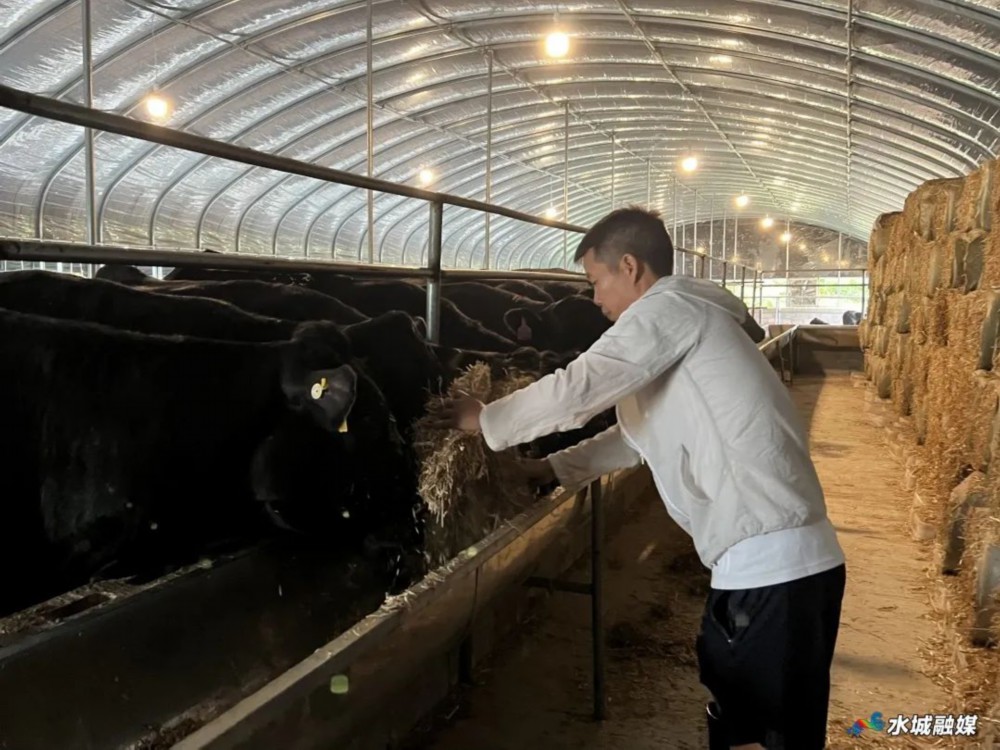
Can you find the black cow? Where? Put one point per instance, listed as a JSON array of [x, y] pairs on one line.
[[573, 323], [268, 299], [526, 289], [488, 304], [852, 318], [138, 450], [122, 273], [525, 359], [224, 274], [131, 308], [456, 328], [818, 322], [395, 352]]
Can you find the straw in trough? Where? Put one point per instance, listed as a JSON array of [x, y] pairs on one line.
[[469, 489]]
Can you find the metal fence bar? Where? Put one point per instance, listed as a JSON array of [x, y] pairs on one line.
[[75, 114], [434, 282]]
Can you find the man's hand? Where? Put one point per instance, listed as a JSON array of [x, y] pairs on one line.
[[460, 413]]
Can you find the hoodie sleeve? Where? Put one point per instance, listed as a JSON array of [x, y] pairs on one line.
[[594, 457], [646, 341]]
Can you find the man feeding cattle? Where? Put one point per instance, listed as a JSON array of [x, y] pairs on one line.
[[729, 455]]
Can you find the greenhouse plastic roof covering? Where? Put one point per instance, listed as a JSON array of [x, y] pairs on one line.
[[826, 111]]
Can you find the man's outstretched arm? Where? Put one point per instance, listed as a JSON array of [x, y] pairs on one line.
[[630, 354], [602, 454]]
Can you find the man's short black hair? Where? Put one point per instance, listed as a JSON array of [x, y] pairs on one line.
[[633, 230]]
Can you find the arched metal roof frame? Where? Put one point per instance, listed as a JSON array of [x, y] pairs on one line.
[[259, 196], [645, 16]]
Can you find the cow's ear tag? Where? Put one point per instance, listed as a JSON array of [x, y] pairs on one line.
[[524, 331], [343, 426], [318, 389]]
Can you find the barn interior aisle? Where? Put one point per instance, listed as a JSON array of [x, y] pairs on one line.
[[536, 692]]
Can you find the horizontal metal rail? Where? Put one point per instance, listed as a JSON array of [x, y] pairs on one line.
[[785, 339], [75, 114]]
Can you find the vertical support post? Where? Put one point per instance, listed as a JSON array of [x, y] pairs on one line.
[[649, 184], [753, 297], [93, 230], [370, 129], [489, 152], [840, 253], [788, 242], [597, 593], [736, 235], [725, 273], [725, 215], [565, 214], [711, 226], [864, 288], [695, 231], [613, 155], [434, 283], [673, 191], [743, 283]]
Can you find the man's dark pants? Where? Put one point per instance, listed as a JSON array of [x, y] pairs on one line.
[[765, 655]]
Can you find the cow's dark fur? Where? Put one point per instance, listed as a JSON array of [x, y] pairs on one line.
[[141, 450], [263, 298], [97, 301]]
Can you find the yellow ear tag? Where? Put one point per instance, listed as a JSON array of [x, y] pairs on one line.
[[343, 426], [318, 389]]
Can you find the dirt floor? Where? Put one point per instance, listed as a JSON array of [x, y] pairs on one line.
[[536, 693]]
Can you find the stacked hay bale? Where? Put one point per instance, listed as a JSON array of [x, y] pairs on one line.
[[931, 351]]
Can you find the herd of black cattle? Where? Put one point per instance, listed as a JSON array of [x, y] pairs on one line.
[[148, 422]]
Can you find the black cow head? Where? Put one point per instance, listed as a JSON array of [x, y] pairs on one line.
[[523, 324], [325, 396], [571, 324]]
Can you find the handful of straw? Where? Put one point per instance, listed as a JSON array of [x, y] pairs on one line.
[[469, 489]]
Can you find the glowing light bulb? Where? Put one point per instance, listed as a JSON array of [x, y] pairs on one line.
[[426, 176], [157, 105], [767, 222], [690, 164], [743, 201], [557, 44], [551, 212], [786, 236]]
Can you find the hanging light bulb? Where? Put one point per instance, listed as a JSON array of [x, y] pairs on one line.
[[557, 44], [743, 201], [426, 176], [551, 212], [158, 106], [786, 236], [690, 164], [767, 222]]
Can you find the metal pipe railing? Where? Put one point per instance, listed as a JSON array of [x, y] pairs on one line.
[[779, 343], [87, 117], [434, 282], [75, 114]]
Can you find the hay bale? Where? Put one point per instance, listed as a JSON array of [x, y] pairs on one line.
[[966, 315], [982, 410], [977, 204], [878, 240], [929, 211], [469, 489]]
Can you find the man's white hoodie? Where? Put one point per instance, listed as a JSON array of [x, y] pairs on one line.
[[697, 402]]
